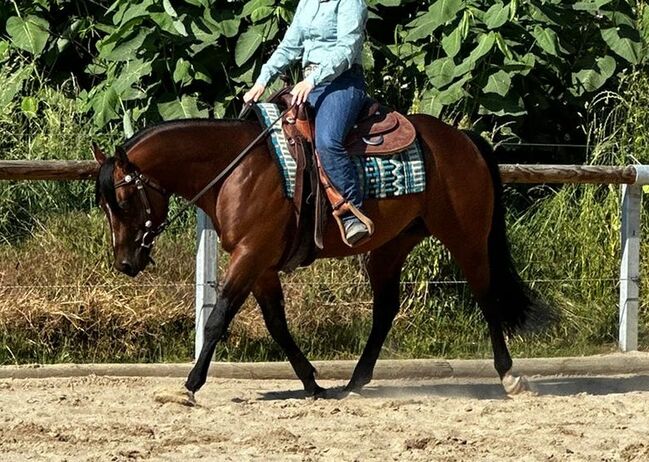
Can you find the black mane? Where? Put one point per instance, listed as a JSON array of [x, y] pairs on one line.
[[132, 141], [105, 185]]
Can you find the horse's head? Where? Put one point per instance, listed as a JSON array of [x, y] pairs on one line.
[[135, 206]]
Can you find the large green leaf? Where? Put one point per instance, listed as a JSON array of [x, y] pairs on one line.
[[131, 11], [105, 104], [131, 74], [547, 39], [451, 43], [29, 33], [124, 50], [12, 84], [485, 44], [441, 72], [625, 42], [251, 6], [261, 13], [499, 83], [521, 65], [247, 44], [169, 9], [453, 93], [165, 22], [230, 27], [184, 108], [430, 102], [440, 12], [497, 15], [594, 77]]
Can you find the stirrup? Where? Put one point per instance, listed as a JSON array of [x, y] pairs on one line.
[[345, 208]]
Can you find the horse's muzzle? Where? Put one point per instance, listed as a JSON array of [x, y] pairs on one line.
[[127, 268]]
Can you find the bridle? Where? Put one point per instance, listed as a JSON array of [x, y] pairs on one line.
[[147, 236]]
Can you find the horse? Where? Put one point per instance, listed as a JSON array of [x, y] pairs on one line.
[[462, 207]]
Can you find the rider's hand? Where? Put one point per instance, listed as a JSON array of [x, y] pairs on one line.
[[254, 93], [301, 91]]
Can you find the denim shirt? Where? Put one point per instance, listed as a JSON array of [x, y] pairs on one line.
[[329, 33]]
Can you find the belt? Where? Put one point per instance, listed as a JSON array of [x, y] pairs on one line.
[[309, 68]]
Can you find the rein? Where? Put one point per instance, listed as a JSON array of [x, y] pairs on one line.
[[149, 235]]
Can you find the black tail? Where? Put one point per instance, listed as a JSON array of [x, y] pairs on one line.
[[510, 299]]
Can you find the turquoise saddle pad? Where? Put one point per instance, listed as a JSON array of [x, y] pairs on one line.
[[381, 176]]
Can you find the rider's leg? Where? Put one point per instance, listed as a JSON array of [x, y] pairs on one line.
[[337, 105]]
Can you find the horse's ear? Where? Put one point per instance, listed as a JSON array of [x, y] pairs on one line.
[[100, 157], [120, 155]]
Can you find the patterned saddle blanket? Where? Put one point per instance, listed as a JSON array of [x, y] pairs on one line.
[[381, 176]]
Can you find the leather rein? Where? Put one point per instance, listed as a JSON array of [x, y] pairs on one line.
[[148, 234]]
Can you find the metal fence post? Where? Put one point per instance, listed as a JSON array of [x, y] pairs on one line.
[[206, 274], [630, 266]]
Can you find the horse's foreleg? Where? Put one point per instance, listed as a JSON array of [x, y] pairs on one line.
[[238, 282], [384, 268], [269, 295]]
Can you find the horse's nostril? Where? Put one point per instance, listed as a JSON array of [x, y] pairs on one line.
[[124, 266]]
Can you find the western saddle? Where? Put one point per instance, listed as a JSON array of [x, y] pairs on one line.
[[378, 131]]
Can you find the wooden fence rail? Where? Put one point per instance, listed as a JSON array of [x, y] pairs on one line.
[[512, 173], [632, 178]]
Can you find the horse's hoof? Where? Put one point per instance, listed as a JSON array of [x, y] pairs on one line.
[[182, 396], [515, 385], [317, 393], [352, 391]]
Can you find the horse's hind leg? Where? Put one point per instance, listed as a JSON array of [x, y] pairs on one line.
[[471, 253], [269, 295], [384, 268]]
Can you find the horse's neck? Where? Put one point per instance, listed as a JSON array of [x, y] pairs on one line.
[[184, 158]]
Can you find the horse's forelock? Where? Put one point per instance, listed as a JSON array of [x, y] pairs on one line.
[[105, 185]]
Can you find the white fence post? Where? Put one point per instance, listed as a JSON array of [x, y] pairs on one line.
[[206, 274], [630, 267]]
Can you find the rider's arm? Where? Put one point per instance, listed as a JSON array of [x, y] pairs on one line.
[[351, 18], [289, 49]]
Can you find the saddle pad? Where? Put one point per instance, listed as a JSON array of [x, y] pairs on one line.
[[381, 176]]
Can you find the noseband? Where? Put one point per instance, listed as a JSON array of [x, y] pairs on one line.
[[146, 236]]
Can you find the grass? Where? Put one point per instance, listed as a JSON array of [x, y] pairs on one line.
[[61, 300]]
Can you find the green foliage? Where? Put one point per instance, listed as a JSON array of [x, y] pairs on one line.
[[135, 62], [510, 59], [492, 62]]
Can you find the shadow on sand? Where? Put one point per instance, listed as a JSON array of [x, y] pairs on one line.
[[487, 389]]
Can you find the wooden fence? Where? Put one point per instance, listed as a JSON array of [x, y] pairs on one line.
[[632, 178]]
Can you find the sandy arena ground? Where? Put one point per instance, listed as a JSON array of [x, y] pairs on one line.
[[117, 419]]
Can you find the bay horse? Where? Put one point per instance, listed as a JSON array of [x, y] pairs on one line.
[[461, 206]]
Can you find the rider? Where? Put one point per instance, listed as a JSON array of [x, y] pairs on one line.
[[328, 34]]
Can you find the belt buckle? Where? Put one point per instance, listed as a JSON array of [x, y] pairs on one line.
[[308, 69]]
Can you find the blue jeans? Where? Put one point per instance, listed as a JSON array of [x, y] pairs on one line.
[[337, 105]]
